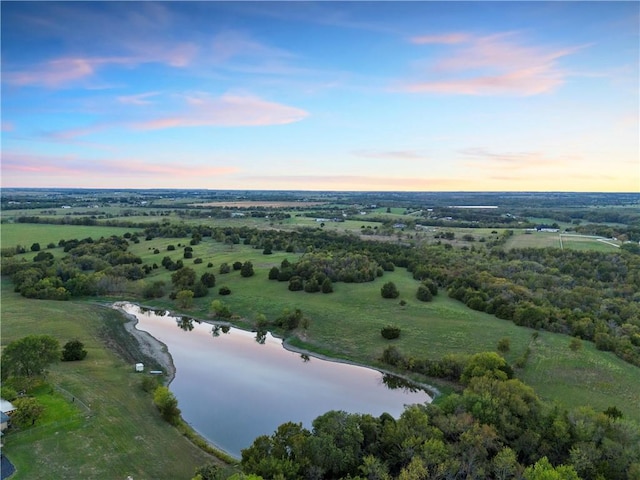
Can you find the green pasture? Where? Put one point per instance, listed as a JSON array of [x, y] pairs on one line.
[[111, 429], [531, 239], [25, 234], [346, 324]]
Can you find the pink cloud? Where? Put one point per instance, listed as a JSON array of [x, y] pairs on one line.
[[492, 65], [484, 159], [7, 127], [21, 164], [227, 111]]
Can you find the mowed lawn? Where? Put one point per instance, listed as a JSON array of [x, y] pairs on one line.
[[346, 324], [112, 429]]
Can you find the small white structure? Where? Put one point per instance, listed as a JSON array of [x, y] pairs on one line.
[[139, 367]]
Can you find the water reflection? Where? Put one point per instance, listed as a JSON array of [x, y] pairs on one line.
[[393, 382], [236, 374]]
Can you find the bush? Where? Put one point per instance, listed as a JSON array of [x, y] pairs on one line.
[[424, 294], [167, 404], [73, 350], [390, 332], [247, 269], [224, 290], [224, 268], [389, 290]]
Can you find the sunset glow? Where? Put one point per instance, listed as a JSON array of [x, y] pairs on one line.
[[415, 96]]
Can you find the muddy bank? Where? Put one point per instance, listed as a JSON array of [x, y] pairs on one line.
[[149, 345]]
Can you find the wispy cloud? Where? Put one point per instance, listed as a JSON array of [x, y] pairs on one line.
[[226, 111], [390, 154], [491, 65], [70, 165], [7, 127], [138, 99], [352, 182], [485, 159], [446, 39]]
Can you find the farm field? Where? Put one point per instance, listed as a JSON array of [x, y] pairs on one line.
[[119, 433], [527, 239]]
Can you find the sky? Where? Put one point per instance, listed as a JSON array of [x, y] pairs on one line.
[[366, 96]]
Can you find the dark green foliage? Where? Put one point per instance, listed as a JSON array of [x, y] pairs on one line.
[[208, 279], [390, 332], [312, 286], [154, 290], [389, 290], [274, 273], [224, 268], [171, 247], [327, 286], [29, 356], [296, 284], [290, 320], [35, 247], [424, 294], [247, 269], [237, 265], [199, 289], [183, 278], [149, 383], [73, 350], [224, 290]]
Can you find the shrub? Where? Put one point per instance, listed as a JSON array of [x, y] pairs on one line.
[[504, 345], [167, 404], [389, 290], [237, 265], [224, 290], [390, 332], [424, 294], [224, 268], [247, 269], [73, 350]]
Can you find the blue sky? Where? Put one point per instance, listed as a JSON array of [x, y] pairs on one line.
[[418, 96]]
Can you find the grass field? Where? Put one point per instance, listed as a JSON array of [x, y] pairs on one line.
[[119, 433], [347, 323], [527, 239], [25, 234]]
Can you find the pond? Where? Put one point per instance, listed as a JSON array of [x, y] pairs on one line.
[[233, 385]]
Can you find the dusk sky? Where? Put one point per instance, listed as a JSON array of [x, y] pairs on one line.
[[415, 96]]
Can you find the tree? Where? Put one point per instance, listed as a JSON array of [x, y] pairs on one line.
[[29, 355], [28, 411], [389, 290], [208, 279], [167, 404], [486, 364], [35, 247], [183, 278], [220, 309], [424, 294], [185, 298], [73, 350], [543, 470], [247, 269], [327, 287]]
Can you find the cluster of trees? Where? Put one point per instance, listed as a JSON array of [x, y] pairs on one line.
[[496, 428], [89, 268]]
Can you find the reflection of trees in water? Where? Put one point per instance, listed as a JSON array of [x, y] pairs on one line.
[[215, 330], [261, 336], [305, 358], [225, 328], [393, 383], [186, 323]]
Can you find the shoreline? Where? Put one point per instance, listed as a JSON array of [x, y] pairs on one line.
[[156, 349], [149, 345]]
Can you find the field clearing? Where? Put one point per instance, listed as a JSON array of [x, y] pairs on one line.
[[121, 435], [529, 239], [25, 234]]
